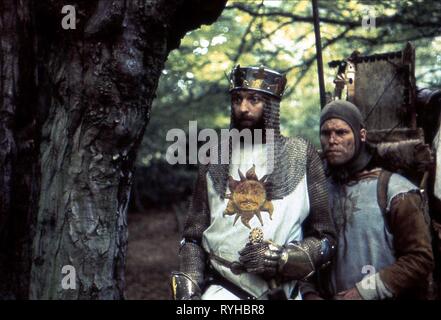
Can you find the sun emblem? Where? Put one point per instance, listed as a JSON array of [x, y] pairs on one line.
[[248, 198]]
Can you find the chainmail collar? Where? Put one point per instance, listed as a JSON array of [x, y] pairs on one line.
[[290, 157], [289, 169]]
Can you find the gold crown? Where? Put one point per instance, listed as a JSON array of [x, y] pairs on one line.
[[259, 79]]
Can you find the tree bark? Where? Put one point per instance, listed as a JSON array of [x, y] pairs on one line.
[[83, 96], [19, 160]]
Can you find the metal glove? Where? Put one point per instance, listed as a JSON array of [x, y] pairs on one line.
[[295, 261], [261, 258]]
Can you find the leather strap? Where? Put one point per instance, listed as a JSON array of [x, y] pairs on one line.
[[382, 189]]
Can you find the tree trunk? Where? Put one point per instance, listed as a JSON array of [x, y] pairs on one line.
[[90, 91], [19, 159]]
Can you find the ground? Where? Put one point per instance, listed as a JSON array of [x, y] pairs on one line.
[[152, 254]]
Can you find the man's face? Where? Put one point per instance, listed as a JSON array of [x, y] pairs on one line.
[[247, 109], [338, 141]]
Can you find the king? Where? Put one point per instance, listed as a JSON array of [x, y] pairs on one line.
[[217, 260]]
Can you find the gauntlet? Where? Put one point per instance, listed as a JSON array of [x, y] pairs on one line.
[[261, 258], [294, 261]]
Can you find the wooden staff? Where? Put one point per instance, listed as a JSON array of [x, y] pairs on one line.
[[318, 48]]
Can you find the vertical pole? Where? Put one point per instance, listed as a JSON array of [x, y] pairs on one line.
[[318, 47]]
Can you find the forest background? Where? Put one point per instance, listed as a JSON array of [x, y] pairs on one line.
[[194, 87]]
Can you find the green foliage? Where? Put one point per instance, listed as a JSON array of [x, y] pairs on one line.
[[280, 35]]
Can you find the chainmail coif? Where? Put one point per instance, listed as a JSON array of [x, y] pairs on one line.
[[290, 156], [294, 158]]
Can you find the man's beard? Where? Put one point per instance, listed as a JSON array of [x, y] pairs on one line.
[[240, 125]]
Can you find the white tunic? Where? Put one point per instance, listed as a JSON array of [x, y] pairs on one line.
[[225, 240]]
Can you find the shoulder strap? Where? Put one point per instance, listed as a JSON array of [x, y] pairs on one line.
[[382, 186]]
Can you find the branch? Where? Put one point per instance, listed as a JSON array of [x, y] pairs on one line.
[[255, 40], [308, 63], [394, 19], [380, 39], [293, 17], [243, 40]]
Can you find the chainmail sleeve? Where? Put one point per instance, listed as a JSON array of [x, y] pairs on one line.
[[318, 228], [304, 258], [191, 255], [319, 222]]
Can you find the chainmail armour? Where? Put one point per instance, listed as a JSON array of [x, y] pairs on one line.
[[293, 157], [290, 156]]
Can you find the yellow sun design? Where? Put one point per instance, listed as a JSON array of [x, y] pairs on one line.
[[248, 198]]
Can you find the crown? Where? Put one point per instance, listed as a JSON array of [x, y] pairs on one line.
[[259, 79]]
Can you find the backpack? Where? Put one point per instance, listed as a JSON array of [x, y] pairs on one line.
[[428, 291]]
